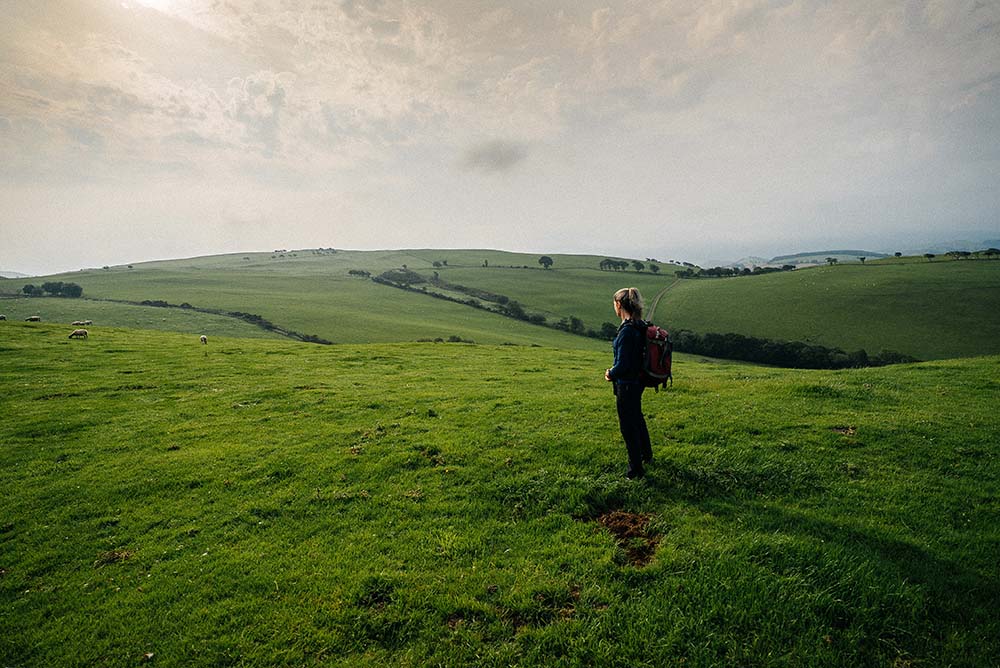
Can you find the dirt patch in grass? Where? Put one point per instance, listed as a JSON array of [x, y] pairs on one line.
[[633, 534], [112, 557]]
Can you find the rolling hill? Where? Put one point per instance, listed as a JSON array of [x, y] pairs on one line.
[[927, 310], [930, 310]]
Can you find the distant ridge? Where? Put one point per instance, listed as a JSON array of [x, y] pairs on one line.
[[822, 255], [751, 261], [13, 274]]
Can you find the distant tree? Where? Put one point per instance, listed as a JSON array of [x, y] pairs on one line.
[[655, 268], [929, 256], [609, 331], [71, 290], [605, 264], [52, 287], [831, 261], [862, 258], [639, 266], [545, 261], [991, 252], [898, 254], [486, 263], [436, 264], [32, 290], [576, 325]]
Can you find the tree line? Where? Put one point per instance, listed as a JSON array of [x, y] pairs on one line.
[[726, 272], [53, 288], [791, 354], [607, 264]]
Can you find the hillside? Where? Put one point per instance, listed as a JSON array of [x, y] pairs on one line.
[[264, 503], [312, 292], [104, 314], [927, 310], [930, 310]]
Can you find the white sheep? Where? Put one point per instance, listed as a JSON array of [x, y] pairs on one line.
[[79, 334], [204, 339]]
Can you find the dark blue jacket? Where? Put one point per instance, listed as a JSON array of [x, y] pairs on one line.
[[628, 347]]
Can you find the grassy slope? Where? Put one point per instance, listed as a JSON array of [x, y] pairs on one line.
[[559, 293], [65, 311], [269, 503], [313, 294], [928, 310]]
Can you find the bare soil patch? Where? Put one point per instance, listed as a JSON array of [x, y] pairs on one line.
[[632, 532]]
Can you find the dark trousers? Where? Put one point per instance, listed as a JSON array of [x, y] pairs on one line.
[[633, 424]]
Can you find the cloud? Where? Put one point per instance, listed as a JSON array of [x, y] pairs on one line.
[[257, 102], [494, 156]]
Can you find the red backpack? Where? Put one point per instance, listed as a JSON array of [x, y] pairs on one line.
[[657, 357]]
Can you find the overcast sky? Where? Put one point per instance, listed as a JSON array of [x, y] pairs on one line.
[[688, 129]]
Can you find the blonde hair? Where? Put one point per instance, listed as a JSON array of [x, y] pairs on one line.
[[630, 300]]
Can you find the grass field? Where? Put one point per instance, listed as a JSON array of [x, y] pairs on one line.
[[103, 314], [260, 503], [314, 294], [929, 310]]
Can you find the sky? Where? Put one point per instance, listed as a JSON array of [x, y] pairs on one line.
[[694, 130]]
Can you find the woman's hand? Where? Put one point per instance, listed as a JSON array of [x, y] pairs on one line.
[[607, 374]]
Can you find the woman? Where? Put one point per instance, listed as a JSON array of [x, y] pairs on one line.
[[628, 347]]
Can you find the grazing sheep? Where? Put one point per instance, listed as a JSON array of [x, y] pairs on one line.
[[204, 339], [33, 318], [2, 316], [78, 323], [79, 334], [88, 322]]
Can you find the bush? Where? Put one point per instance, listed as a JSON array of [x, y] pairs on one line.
[[402, 277]]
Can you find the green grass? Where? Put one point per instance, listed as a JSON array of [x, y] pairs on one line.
[[103, 314], [259, 503], [314, 294], [927, 310]]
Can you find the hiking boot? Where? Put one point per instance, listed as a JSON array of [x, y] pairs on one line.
[[634, 474]]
